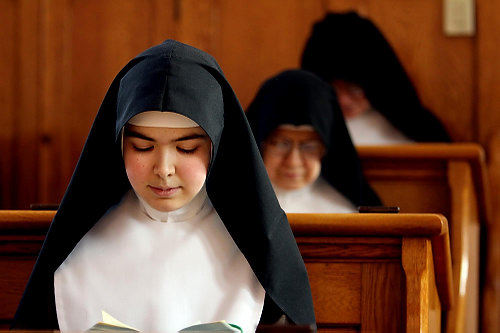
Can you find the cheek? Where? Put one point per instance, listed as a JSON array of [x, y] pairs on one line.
[[193, 169], [196, 167], [136, 168], [313, 168]]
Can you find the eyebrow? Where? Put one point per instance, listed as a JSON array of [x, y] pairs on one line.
[[191, 137], [134, 134], [131, 133]]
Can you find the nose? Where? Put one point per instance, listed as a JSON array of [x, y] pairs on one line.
[[293, 158], [165, 165]]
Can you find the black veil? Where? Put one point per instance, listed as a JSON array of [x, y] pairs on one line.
[[345, 46]]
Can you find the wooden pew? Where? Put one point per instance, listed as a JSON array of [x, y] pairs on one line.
[[376, 272], [440, 178], [491, 303], [21, 237], [367, 271]]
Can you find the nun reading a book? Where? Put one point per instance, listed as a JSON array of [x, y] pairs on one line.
[[169, 219], [307, 150]]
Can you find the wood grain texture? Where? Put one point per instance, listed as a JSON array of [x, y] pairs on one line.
[[350, 251], [430, 151], [465, 251], [96, 40], [430, 225], [416, 266], [368, 224], [70, 50], [54, 125], [446, 178], [26, 113], [197, 23], [83, 45], [8, 93], [336, 286], [356, 281], [382, 294], [488, 70], [320, 226], [427, 162], [21, 221], [258, 39], [13, 278], [491, 297]]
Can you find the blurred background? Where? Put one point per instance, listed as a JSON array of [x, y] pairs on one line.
[[58, 58]]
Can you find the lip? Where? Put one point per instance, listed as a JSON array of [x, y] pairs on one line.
[[292, 175], [164, 192]]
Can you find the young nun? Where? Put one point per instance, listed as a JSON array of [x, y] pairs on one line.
[[169, 218], [306, 147], [378, 100]]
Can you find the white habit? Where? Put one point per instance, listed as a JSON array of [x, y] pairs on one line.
[[318, 197], [157, 276], [371, 128]]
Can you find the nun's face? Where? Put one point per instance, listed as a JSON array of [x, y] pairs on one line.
[[351, 97], [293, 157], [167, 167]]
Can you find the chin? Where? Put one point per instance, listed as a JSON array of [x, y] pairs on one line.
[[165, 207], [291, 186]]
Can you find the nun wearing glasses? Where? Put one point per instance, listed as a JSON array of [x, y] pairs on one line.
[[309, 156]]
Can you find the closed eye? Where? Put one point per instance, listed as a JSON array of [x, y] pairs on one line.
[[143, 148], [187, 151]]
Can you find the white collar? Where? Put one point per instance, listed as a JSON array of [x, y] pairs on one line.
[[185, 213], [284, 193]]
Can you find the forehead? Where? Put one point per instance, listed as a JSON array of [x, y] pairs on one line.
[[164, 134], [295, 135]]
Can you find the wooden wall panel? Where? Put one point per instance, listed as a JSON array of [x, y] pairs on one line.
[[441, 68], [488, 63], [26, 107], [7, 100], [105, 35], [85, 44], [55, 130], [260, 38], [58, 64], [163, 20], [196, 23]]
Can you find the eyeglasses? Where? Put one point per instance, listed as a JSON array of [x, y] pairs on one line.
[[308, 149]]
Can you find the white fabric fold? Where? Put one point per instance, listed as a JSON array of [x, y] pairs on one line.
[[157, 277], [318, 197], [371, 128]]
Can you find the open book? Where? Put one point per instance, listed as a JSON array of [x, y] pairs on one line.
[[110, 324]]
